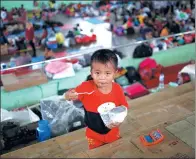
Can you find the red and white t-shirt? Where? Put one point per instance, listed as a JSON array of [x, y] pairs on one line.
[[93, 101]]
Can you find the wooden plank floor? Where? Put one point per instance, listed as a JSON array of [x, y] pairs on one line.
[[147, 113]]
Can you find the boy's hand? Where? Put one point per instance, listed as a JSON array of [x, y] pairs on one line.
[[115, 125], [71, 95]]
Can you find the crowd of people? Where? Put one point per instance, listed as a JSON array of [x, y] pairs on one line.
[[154, 19], [148, 18]]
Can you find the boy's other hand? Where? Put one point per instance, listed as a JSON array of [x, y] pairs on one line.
[[113, 125], [71, 95]]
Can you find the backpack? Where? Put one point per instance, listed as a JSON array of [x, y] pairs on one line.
[[149, 69], [130, 31], [132, 75], [143, 50], [188, 38]]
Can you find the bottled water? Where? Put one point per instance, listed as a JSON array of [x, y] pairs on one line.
[[161, 81]]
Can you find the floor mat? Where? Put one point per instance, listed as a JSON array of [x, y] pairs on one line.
[[66, 27], [184, 130], [94, 21], [72, 50], [37, 59], [60, 54]]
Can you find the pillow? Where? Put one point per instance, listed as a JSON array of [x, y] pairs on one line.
[[56, 67], [136, 90], [67, 72]]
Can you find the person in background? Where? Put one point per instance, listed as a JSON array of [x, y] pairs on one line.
[[189, 26], [78, 29], [22, 7], [29, 35], [3, 14], [53, 32], [23, 59], [173, 26], [48, 53], [3, 38], [104, 65], [44, 36], [112, 20], [165, 31], [35, 18], [52, 5]]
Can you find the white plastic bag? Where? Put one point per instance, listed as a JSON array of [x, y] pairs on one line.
[[112, 115], [5, 115], [23, 117]]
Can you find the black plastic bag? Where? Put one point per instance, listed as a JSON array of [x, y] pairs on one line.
[[143, 50], [132, 75]]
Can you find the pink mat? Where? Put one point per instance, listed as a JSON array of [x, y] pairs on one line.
[[66, 27], [60, 54], [56, 67]]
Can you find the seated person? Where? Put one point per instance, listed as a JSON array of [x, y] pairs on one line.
[[189, 26], [22, 9], [69, 39], [128, 24], [173, 27], [52, 33], [13, 43], [35, 17], [48, 53], [3, 14], [70, 34], [23, 59], [165, 31], [3, 38], [147, 33], [77, 29], [44, 36]]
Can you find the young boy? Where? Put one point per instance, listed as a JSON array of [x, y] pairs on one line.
[[103, 68]]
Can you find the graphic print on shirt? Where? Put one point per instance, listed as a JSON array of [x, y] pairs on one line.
[[105, 107], [103, 110]]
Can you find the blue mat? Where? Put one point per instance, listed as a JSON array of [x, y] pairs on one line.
[[37, 32], [72, 50], [37, 59], [94, 21]]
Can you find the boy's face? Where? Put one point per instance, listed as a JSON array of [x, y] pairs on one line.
[[103, 74]]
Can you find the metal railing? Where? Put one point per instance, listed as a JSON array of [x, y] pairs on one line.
[[81, 53]]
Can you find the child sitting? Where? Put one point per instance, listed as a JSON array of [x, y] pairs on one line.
[[23, 59], [48, 53], [104, 64], [44, 36], [164, 31]]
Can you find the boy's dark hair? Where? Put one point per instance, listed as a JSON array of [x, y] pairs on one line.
[[89, 77], [103, 56]]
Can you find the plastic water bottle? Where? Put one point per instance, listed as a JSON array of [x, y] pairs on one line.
[[161, 81]]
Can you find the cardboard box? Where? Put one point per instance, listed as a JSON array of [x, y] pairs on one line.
[[11, 82]]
